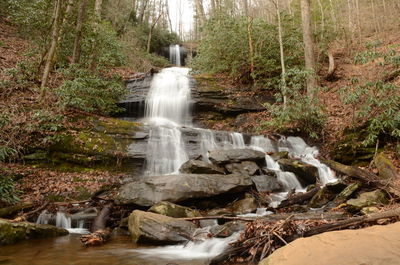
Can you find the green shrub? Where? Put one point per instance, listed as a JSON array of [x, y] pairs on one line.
[[90, 93], [8, 193], [376, 104]]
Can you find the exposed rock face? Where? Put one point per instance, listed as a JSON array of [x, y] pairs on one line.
[[245, 168], [246, 205], [365, 199], [159, 229], [385, 167], [266, 183], [374, 245], [200, 167], [307, 174], [11, 233], [175, 188], [236, 156], [173, 210]]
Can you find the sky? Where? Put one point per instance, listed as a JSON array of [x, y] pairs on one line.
[[181, 9]]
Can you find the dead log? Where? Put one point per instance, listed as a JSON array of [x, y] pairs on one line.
[[365, 176], [100, 233], [8, 211], [374, 217], [299, 198], [25, 216]]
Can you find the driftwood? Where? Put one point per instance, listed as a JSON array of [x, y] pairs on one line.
[[100, 233], [299, 198], [364, 175]]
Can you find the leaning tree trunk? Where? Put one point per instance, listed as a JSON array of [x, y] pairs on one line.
[[52, 49], [283, 73], [308, 46]]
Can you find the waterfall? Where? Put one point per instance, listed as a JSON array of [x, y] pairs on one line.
[[175, 54], [167, 109], [62, 220]]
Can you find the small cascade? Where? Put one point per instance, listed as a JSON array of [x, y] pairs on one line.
[[237, 140], [62, 220], [192, 250], [175, 55]]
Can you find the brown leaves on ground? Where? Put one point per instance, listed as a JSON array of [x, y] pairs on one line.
[[38, 185]]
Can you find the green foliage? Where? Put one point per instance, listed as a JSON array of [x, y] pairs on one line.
[[366, 56], [8, 193], [225, 49], [89, 92], [301, 114], [6, 152], [378, 105]]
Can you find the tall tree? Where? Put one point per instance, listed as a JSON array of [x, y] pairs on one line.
[[53, 47], [76, 55], [308, 46]]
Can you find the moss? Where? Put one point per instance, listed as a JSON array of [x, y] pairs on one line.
[[55, 198], [82, 193], [116, 126], [208, 83]]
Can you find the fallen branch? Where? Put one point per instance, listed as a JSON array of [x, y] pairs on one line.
[[25, 216], [364, 175], [299, 198], [8, 211], [101, 234]]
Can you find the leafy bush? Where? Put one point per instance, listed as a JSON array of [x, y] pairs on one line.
[[301, 114], [378, 105], [89, 93], [8, 193]]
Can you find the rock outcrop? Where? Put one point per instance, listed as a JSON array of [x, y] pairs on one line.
[[236, 156], [200, 167], [173, 210]]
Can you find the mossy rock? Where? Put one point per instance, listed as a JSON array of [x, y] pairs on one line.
[[366, 199], [385, 167], [173, 210], [352, 151], [11, 233], [326, 194], [207, 83]]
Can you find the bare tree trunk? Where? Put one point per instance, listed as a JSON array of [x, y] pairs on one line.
[[251, 46], [333, 15], [62, 26], [52, 49], [246, 8], [376, 23], [308, 46], [322, 19], [168, 15], [151, 32], [142, 10], [200, 12], [283, 74], [76, 55], [97, 11]]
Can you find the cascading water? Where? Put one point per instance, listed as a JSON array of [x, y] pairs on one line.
[[175, 54], [62, 220]]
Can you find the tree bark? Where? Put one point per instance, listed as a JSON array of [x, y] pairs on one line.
[[97, 11], [76, 55], [52, 49], [142, 12], [308, 47], [283, 73]]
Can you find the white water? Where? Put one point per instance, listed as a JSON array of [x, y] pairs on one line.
[[63, 221], [192, 250], [175, 54]]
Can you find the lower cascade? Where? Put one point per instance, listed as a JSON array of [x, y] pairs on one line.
[[168, 114]]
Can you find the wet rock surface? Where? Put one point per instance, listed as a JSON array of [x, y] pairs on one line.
[[200, 167], [175, 188], [236, 156], [12, 232], [307, 174], [365, 199], [246, 168], [173, 210], [266, 183], [146, 227]]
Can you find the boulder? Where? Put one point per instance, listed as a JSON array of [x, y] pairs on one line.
[[280, 155], [173, 210], [146, 227], [385, 167], [266, 183], [307, 174], [372, 198], [228, 229], [244, 168], [11, 232], [326, 194], [200, 167], [243, 206], [174, 188], [373, 245], [236, 156]]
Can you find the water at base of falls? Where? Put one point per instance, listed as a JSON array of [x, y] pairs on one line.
[[63, 221]]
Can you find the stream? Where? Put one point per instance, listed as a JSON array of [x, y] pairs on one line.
[[167, 113]]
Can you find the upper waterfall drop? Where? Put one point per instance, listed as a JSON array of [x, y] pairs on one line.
[[168, 101], [175, 54]]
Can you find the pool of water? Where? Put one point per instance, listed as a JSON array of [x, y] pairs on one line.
[[68, 250]]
